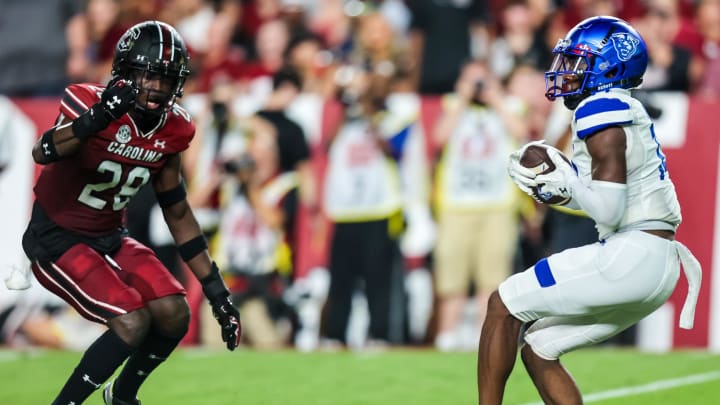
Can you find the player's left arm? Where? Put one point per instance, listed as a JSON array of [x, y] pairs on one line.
[[192, 247], [605, 198], [607, 149]]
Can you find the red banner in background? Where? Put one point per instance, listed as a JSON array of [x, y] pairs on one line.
[[693, 167]]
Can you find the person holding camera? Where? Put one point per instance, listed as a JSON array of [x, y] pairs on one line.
[[475, 205], [256, 219]]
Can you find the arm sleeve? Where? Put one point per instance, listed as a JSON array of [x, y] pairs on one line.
[[603, 201]]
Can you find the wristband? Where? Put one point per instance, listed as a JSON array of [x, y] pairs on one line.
[[172, 196], [192, 248], [213, 285], [90, 122], [47, 143]]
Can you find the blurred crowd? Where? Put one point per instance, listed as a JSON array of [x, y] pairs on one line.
[[349, 161]]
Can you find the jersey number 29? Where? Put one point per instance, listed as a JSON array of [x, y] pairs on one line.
[[124, 194]]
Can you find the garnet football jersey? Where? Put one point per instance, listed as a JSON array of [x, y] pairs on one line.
[[88, 191]]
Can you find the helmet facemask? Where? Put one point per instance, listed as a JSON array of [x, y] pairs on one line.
[[157, 91], [568, 77]]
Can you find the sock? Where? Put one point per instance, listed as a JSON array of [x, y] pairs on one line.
[[98, 363], [153, 351]]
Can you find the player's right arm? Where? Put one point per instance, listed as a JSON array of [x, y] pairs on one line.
[[59, 137], [65, 138]]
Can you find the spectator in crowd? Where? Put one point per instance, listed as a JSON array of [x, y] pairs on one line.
[[670, 66], [293, 158], [224, 59], [708, 23], [293, 149], [314, 63], [103, 33], [440, 39], [363, 200], [270, 44], [253, 14], [518, 42], [220, 133], [477, 226], [40, 59], [107, 22], [334, 25], [207, 25], [402, 126], [258, 213]]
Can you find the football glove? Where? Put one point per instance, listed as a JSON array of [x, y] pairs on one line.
[[558, 181], [229, 319], [555, 183], [115, 101], [223, 309], [118, 98], [522, 176]]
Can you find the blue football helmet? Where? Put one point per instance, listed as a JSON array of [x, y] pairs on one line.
[[598, 54]]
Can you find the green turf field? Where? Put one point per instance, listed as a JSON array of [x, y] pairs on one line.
[[393, 377]]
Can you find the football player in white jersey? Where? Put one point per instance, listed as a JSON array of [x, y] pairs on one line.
[[586, 295]]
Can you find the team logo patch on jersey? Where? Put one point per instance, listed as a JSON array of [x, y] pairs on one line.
[[123, 134], [625, 45]]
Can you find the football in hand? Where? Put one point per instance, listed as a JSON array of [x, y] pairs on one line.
[[536, 158]]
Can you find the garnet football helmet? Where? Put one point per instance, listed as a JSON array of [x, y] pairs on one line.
[[152, 50], [597, 54]]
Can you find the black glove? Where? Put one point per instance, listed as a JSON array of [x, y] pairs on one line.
[[229, 319], [115, 101], [223, 309]]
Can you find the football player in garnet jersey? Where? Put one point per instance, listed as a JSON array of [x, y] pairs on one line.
[[588, 294], [108, 142]]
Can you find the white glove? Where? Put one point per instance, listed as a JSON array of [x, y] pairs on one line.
[[555, 183], [522, 176], [558, 181]]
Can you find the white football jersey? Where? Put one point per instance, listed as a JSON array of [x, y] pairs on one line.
[[651, 201]]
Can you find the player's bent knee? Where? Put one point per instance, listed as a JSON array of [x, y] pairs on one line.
[[132, 327], [170, 315]]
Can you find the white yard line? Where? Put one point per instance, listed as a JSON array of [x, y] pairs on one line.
[[659, 385]]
